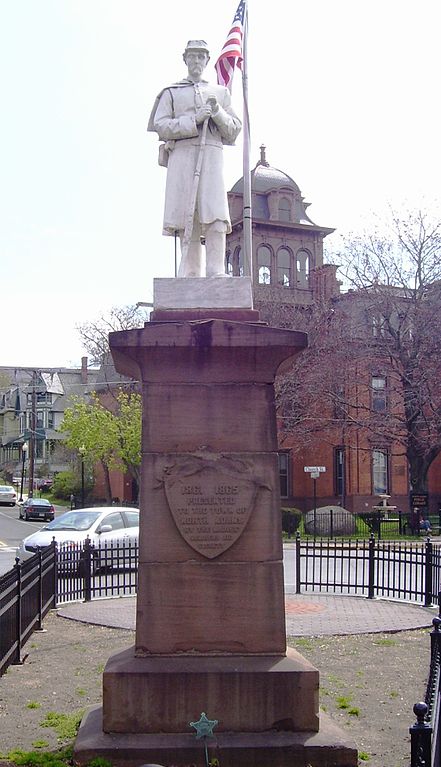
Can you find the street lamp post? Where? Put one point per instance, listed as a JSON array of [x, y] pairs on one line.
[[82, 452], [24, 449]]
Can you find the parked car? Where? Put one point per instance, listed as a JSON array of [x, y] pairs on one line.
[[8, 495], [45, 484], [103, 526], [36, 508]]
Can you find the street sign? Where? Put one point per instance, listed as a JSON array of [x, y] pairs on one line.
[[314, 469]]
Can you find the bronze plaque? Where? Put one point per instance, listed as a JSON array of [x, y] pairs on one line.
[[210, 508]]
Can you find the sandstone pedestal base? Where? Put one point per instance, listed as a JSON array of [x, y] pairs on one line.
[[245, 694], [326, 748]]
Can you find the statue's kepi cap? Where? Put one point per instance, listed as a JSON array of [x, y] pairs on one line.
[[196, 45]]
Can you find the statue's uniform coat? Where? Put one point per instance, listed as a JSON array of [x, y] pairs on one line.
[[173, 118]]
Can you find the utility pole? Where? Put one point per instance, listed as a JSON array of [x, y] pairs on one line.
[[32, 428]]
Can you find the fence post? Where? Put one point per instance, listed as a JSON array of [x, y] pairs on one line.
[[420, 738], [428, 573], [87, 576], [331, 523], [400, 522], [435, 637], [297, 562], [40, 591], [17, 655], [371, 567], [54, 572]]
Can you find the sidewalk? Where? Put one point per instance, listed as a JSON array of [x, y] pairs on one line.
[[306, 614]]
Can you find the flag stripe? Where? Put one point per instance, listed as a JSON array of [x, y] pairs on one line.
[[231, 55]]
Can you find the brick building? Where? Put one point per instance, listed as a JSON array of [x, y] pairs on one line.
[[289, 278]]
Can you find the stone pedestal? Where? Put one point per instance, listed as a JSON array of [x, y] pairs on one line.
[[210, 628]]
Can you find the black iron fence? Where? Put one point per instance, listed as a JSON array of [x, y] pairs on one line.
[[384, 524], [425, 734], [27, 592], [409, 570], [53, 576], [87, 572]]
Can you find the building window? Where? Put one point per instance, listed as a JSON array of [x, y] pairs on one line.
[[264, 265], [379, 394], [284, 267], [302, 263], [340, 402], [339, 471], [380, 472], [284, 209], [238, 263], [284, 474], [235, 263], [378, 326], [44, 396]]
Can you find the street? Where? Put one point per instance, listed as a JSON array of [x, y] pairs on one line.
[[12, 532]]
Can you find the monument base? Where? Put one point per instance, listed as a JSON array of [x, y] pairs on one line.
[[164, 693], [326, 748]]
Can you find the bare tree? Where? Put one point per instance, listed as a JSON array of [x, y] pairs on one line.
[[373, 364], [95, 334], [397, 279]]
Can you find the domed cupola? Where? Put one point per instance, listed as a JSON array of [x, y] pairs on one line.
[[287, 246], [276, 196]]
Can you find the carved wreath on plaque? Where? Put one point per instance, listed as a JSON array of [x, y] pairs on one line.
[[211, 498]]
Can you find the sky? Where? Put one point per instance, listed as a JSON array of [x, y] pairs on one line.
[[344, 95]]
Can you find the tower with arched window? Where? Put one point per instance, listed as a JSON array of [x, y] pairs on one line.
[[287, 245]]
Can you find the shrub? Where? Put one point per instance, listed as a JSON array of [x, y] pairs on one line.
[[291, 519], [65, 484]]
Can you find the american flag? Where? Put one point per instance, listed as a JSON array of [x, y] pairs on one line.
[[231, 55]]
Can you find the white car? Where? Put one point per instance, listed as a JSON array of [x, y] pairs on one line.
[[7, 495], [106, 527]]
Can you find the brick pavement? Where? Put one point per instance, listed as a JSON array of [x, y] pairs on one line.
[[306, 614]]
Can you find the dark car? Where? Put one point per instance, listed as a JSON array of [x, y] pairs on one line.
[[44, 484], [37, 508]]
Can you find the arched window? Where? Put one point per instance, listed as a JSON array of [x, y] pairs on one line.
[[238, 263], [235, 262], [284, 267], [302, 266], [264, 265], [284, 209]]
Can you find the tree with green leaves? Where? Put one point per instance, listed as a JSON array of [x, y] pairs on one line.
[[91, 430], [128, 417], [110, 437]]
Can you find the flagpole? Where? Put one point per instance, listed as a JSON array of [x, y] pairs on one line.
[[247, 211]]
